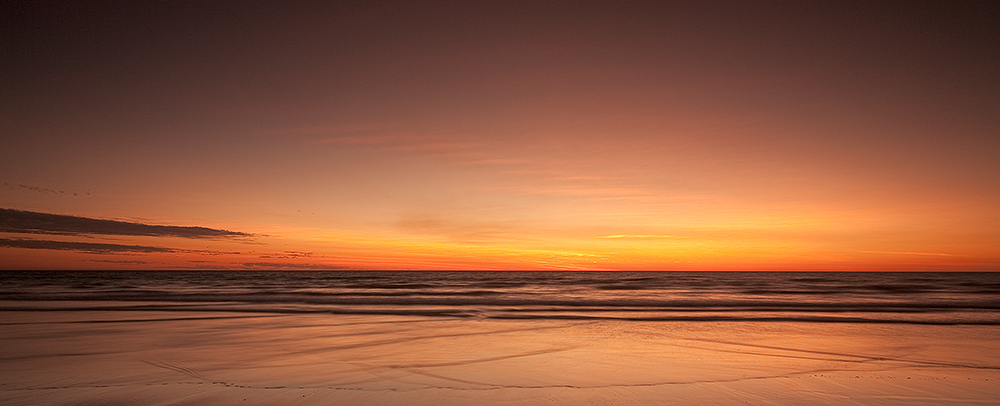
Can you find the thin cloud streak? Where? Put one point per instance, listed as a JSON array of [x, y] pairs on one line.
[[291, 266], [936, 254], [639, 236], [101, 248], [89, 247], [44, 190]]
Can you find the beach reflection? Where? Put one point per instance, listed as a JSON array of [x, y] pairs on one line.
[[52, 357]]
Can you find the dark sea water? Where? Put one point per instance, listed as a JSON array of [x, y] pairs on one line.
[[808, 297]]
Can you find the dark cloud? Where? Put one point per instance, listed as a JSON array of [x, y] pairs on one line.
[[94, 248], [19, 221]]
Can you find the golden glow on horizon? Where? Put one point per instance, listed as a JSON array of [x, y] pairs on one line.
[[740, 248]]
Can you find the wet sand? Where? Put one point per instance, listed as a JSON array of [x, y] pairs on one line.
[[214, 358]]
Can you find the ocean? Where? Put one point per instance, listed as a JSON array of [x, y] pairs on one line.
[[843, 297], [499, 338]]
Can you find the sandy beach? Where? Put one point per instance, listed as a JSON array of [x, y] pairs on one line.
[[221, 358]]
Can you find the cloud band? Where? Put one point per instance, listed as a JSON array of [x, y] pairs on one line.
[[19, 221]]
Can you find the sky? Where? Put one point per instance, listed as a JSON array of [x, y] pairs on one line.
[[444, 135]]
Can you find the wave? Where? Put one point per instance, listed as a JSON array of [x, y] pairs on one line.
[[493, 298], [527, 314]]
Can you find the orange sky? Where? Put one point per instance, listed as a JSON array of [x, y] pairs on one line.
[[518, 135]]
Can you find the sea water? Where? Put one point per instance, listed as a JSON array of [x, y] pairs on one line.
[[849, 297]]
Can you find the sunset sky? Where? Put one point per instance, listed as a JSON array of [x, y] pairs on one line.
[[697, 135]]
